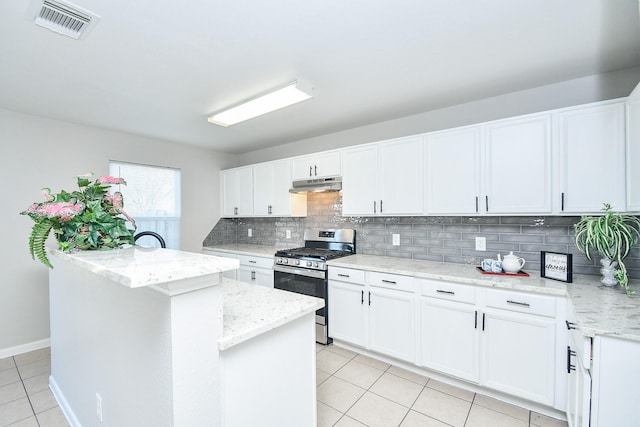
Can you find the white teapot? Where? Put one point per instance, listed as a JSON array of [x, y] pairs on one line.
[[512, 263]]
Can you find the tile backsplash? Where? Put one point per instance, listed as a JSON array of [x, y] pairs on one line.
[[434, 238]]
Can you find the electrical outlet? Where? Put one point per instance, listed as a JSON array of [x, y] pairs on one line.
[[395, 239], [288, 233], [99, 407], [481, 243], [249, 232]]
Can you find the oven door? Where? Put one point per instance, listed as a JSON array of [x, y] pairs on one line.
[[306, 282]]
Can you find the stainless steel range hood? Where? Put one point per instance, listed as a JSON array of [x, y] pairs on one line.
[[316, 185]]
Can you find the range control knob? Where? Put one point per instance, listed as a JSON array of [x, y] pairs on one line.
[[315, 264], [284, 261], [309, 263], [297, 262]]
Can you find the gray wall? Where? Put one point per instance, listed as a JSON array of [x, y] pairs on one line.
[[594, 88], [448, 239], [39, 152]]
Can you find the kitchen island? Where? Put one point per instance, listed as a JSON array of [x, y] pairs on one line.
[[156, 337]]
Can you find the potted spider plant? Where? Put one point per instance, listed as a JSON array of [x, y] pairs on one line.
[[612, 236]]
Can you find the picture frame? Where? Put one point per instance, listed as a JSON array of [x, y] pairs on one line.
[[556, 266]]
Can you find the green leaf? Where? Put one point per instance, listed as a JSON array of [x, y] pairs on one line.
[[37, 239]]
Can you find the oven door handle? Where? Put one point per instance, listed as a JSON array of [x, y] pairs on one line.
[[316, 274]]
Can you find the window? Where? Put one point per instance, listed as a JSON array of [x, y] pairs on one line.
[[152, 198]]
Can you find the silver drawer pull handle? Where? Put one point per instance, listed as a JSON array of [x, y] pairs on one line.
[[343, 275], [389, 281], [440, 291], [524, 304], [253, 262]]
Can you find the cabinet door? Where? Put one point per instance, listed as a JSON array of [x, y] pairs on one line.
[[392, 322], [237, 192], [633, 151], [517, 166], [229, 184], [318, 165], [255, 276], [592, 158], [263, 189], [400, 181], [449, 338], [327, 164], [453, 171], [347, 312], [281, 199], [518, 354], [359, 181]]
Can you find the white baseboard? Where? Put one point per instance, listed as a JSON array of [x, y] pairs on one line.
[[63, 404], [24, 348]]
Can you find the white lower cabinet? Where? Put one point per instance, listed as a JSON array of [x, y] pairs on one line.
[[256, 270], [518, 342], [504, 340], [347, 312], [376, 312], [391, 302], [449, 339], [615, 382]]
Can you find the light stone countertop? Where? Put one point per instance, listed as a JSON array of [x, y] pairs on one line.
[[599, 310], [244, 249], [135, 266], [251, 310]]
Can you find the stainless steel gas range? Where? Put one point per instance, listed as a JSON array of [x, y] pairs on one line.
[[304, 270]]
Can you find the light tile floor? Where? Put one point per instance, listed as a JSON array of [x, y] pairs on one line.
[[25, 398], [353, 390]]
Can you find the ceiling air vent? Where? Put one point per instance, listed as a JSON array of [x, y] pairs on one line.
[[63, 18]]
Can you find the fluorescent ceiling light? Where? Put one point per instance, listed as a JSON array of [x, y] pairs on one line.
[[282, 97]]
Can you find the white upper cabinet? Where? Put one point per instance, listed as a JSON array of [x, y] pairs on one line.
[[517, 165], [400, 178], [271, 197], [383, 178], [452, 169], [317, 165], [237, 191], [360, 181], [501, 167], [590, 154], [633, 151]]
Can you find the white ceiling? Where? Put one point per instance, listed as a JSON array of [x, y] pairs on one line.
[[159, 68]]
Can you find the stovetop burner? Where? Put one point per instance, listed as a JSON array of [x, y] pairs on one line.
[[316, 253], [320, 245]]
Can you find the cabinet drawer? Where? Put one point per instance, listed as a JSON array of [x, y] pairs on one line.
[[524, 303], [449, 291], [255, 261], [392, 281], [346, 275]]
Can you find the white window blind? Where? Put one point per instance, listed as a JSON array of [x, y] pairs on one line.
[[152, 198]]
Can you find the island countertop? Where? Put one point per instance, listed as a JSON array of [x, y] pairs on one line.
[[251, 310], [599, 310], [135, 266]]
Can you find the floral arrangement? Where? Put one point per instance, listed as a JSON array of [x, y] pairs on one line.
[[87, 219]]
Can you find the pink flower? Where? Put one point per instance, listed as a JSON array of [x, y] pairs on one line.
[[46, 192], [60, 210], [32, 208], [116, 201], [111, 180]]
